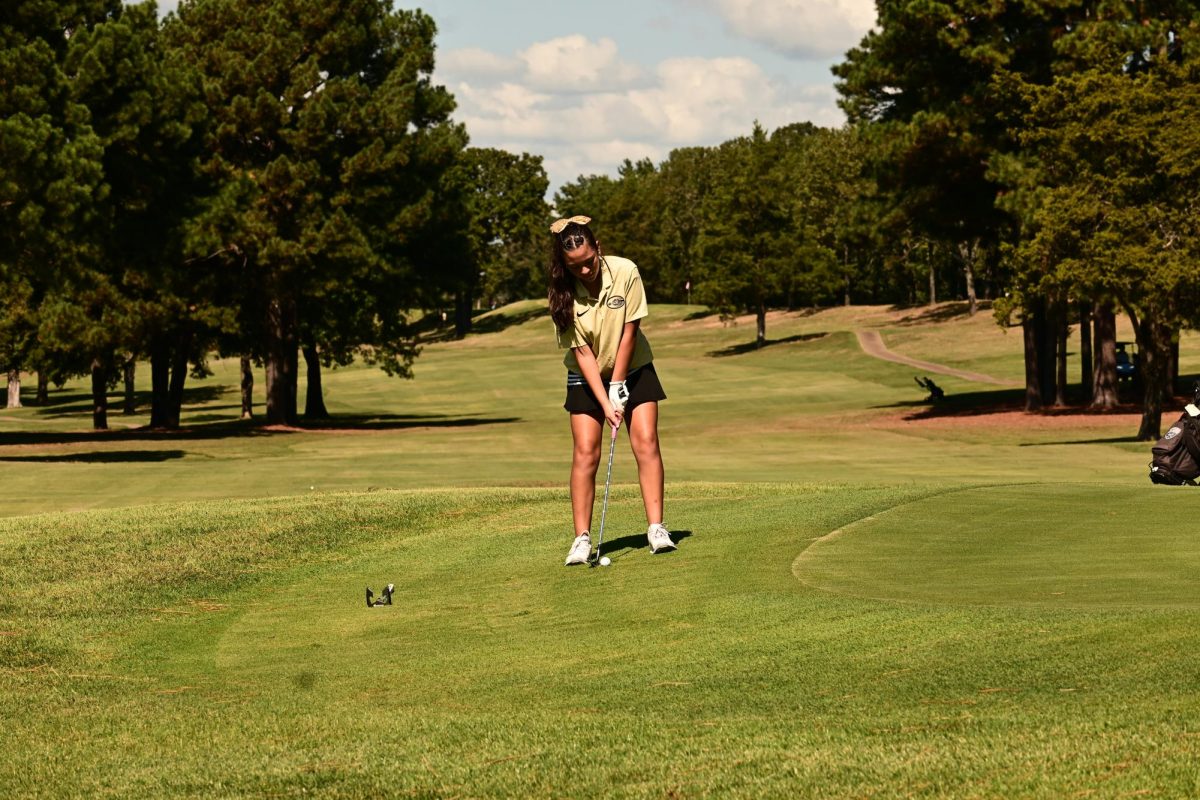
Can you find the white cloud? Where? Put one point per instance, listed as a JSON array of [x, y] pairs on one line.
[[574, 63], [471, 62], [596, 114], [800, 28]]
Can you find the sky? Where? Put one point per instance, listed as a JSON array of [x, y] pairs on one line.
[[587, 85]]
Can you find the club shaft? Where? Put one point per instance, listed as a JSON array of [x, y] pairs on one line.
[[612, 445]]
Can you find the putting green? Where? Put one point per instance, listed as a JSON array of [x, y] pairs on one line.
[[1049, 545]]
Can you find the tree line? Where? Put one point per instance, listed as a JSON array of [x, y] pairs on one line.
[[283, 178], [262, 180], [1043, 155]]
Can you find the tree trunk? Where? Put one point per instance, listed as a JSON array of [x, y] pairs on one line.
[[1154, 346], [932, 277], [179, 370], [281, 357], [1033, 389], [130, 370], [1104, 367], [967, 251], [160, 383], [43, 388], [1046, 340], [247, 389], [14, 388], [314, 401], [1085, 348], [845, 272], [760, 337], [462, 312], [1172, 367], [99, 395], [1063, 331]]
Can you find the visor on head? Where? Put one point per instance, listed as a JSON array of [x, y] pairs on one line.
[[569, 231]]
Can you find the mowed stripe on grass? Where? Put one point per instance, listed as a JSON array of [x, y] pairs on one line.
[[1050, 545], [226, 650]]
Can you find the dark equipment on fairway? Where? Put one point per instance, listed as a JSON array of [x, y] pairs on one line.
[[385, 600], [612, 445], [935, 391], [1175, 459]]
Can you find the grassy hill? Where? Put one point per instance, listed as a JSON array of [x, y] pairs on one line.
[[869, 599], [486, 411]]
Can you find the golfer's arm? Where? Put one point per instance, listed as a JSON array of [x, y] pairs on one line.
[[625, 350], [591, 374]]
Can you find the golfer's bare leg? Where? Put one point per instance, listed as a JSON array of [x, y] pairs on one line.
[[643, 436], [585, 431]]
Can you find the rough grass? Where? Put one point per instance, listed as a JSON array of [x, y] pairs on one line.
[[225, 650], [486, 411], [869, 600]]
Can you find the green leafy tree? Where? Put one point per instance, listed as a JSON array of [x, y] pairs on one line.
[[685, 179], [136, 293], [330, 147], [749, 243], [924, 78], [506, 213], [588, 194], [1117, 214], [50, 161], [18, 325]]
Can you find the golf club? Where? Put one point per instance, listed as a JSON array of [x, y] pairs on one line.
[[612, 445]]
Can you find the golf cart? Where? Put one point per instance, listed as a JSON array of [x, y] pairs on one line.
[[1126, 360]]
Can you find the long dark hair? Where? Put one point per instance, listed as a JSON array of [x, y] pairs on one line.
[[562, 283]]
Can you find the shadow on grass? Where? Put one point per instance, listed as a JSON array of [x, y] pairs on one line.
[[637, 541], [110, 457], [1113, 440], [998, 401], [943, 312], [494, 323], [391, 422], [966, 404], [750, 347], [349, 424], [66, 403], [487, 322]]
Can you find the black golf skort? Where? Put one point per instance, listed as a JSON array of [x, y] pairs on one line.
[[642, 384]]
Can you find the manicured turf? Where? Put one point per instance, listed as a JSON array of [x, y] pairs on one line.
[[486, 411], [866, 602]]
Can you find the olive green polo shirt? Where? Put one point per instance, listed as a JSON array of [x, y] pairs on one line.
[[600, 320]]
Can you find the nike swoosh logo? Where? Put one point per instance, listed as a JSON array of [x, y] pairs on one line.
[[581, 313]]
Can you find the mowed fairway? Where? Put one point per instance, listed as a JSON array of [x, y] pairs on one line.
[[867, 600]]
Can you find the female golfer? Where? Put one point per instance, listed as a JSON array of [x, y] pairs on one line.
[[597, 303]]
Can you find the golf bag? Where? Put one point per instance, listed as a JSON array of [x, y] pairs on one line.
[[1176, 457]]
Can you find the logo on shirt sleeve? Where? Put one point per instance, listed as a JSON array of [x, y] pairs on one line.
[[615, 302]]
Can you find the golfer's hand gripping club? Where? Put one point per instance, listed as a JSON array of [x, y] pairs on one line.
[[618, 395]]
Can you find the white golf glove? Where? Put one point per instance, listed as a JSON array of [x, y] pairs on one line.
[[618, 395]]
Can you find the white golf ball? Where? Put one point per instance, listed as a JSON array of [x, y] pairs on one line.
[[605, 561]]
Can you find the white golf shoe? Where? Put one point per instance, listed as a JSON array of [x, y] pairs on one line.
[[581, 548], [659, 538]]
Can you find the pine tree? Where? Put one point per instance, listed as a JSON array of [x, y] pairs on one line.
[[330, 146]]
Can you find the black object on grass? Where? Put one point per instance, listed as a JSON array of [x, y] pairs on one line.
[[385, 600]]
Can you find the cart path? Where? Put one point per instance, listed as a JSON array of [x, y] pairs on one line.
[[872, 344]]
